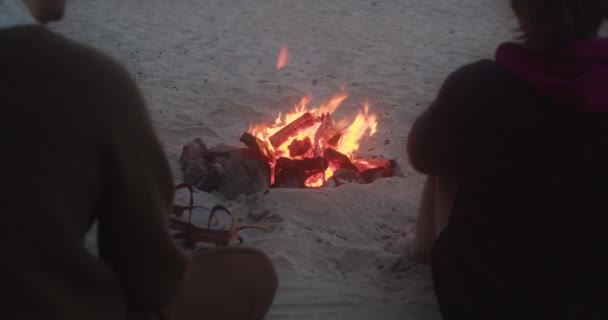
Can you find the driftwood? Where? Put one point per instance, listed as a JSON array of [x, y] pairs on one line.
[[339, 160], [290, 130]]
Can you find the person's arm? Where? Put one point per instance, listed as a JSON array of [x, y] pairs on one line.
[[134, 207], [444, 140]]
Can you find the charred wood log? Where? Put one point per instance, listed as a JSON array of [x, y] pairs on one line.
[[339, 160], [309, 164], [370, 175], [301, 148], [253, 143], [365, 164], [372, 169], [294, 173], [335, 139]]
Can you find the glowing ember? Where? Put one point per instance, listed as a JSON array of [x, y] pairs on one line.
[[306, 132], [283, 60], [315, 181]]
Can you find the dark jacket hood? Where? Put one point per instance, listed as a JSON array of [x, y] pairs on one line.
[[574, 75]]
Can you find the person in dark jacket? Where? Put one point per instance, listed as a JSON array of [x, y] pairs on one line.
[[514, 216], [78, 146]]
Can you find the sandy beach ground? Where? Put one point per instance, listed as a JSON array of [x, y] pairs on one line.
[[207, 70]]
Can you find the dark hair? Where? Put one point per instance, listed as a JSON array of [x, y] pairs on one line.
[[552, 22]]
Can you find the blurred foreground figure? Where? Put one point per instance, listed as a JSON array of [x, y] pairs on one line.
[[78, 146], [514, 216]]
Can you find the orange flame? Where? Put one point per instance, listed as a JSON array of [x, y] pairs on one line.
[[364, 124], [333, 104], [283, 60]]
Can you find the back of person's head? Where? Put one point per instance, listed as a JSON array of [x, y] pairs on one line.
[[46, 10], [546, 23]]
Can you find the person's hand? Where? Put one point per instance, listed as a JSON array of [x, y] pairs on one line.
[[401, 241]]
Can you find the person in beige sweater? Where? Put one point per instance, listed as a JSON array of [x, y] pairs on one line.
[[78, 146]]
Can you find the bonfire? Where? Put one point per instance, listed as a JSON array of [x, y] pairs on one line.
[[305, 147], [309, 141]]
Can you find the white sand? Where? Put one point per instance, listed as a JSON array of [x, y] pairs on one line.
[[207, 70]]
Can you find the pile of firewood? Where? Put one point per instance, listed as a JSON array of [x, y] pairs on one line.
[[233, 171], [308, 158]]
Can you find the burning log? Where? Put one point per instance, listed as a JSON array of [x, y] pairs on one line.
[[294, 173], [254, 144], [339, 160], [290, 130], [301, 148], [365, 164], [342, 176], [335, 139], [326, 134], [371, 175], [372, 169], [308, 164]]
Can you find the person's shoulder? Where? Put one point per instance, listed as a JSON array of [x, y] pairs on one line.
[[476, 79], [65, 69], [477, 73], [77, 80], [52, 53]]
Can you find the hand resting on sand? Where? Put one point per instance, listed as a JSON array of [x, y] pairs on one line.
[[401, 241]]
